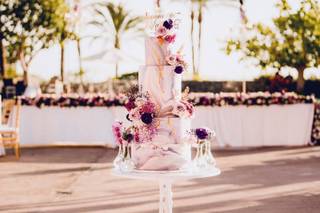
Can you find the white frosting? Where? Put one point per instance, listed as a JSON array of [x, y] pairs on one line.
[[155, 51], [161, 82], [169, 149]]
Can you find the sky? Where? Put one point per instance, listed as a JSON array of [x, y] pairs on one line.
[[219, 23]]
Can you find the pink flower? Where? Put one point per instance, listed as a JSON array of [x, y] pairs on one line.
[[180, 59], [171, 59], [130, 105], [148, 107], [116, 129], [170, 38], [161, 31]]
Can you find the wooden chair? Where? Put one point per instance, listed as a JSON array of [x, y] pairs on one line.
[[9, 131]]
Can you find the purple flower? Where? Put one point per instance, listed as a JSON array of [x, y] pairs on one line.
[[201, 133], [178, 69], [168, 24], [147, 118], [127, 137]]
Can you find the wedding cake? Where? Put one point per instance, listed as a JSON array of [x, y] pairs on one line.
[[159, 111]]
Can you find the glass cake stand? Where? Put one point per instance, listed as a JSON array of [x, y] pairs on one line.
[[165, 180]]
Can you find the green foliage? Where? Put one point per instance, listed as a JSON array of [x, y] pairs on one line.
[[129, 76], [293, 41], [29, 26]]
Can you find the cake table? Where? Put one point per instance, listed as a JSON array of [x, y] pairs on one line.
[[165, 180]]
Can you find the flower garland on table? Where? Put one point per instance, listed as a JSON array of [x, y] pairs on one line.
[[95, 100], [248, 99], [315, 134], [165, 34], [197, 99]]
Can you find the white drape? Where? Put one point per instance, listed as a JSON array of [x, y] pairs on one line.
[[235, 126]]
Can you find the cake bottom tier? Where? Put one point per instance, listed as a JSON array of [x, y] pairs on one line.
[[169, 150], [168, 157]]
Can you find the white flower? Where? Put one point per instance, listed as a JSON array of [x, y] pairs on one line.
[[171, 60]]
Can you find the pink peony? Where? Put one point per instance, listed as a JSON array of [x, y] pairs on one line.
[[161, 31], [130, 105], [170, 38], [116, 129]]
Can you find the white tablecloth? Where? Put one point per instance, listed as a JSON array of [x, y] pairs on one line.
[[2, 150], [236, 126]]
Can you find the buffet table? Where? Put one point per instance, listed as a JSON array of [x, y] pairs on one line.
[[235, 126]]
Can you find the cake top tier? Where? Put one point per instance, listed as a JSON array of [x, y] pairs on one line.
[[163, 26], [161, 32]]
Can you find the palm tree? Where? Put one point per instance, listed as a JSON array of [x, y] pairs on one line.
[[192, 15], [201, 5], [114, 22]]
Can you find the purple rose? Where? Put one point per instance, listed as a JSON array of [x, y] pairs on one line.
[[146, 118], [178, 69], [201, 133], [168, 24]]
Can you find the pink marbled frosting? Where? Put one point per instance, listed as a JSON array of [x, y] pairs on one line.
[[169, 149], [156, 52], [161, 82]]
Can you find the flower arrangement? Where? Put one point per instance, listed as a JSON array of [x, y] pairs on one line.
[[197, 99], [202, 134], [143, 113], [248, 99], [164, 32], [178, 62], [123, 136], [75, 100], [204, 158], [315, 134]]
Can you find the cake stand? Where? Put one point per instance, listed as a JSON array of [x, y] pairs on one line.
[[165, 180]]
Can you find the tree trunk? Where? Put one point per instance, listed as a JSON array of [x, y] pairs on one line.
[[2, 59], [79, 54], [62, 61], [192, 41], [300, 81], [117, 70], [200, 36], [117, 46], [25, 68]]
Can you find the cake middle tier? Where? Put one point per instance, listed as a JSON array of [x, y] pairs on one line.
[[161, 82]]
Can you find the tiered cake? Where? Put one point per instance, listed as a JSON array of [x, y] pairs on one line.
[[168, 149], [159, 112]]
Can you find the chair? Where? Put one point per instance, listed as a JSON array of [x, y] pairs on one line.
[[9, 131]]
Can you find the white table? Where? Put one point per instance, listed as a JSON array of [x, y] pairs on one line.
[[165, 180], [2, 149], [235, 126]]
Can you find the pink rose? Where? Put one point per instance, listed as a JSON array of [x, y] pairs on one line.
[[170, 38], [161, 31]]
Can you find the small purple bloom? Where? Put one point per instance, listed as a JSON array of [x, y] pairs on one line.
[[168, 24], [201, 133], [178, 69], [147, 118]]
